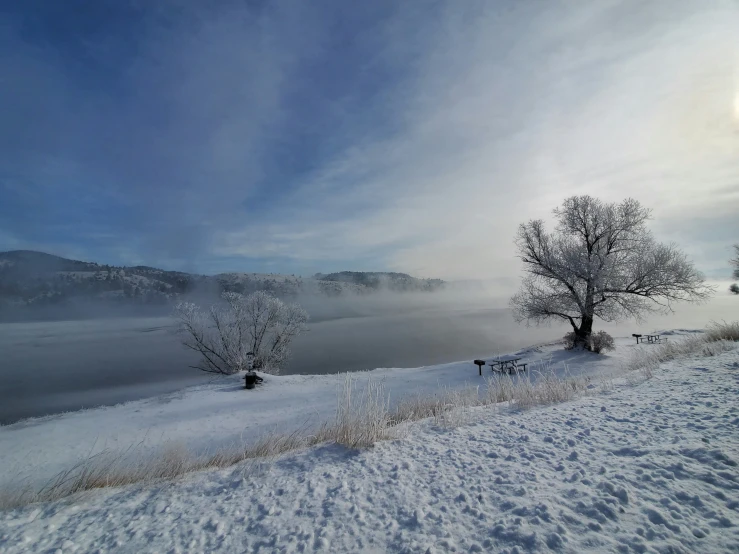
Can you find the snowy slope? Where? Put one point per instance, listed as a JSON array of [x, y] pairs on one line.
[[222, 413], [645, 468]]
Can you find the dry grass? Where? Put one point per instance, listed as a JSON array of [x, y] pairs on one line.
[[101, 470], [448, 407], [417, 407], [718, 338], [722, 331], [108, 469], [452, 407], [362, 417], [540, 387]]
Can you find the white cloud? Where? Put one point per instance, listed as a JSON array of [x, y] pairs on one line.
[[481, 115], [507, 113]]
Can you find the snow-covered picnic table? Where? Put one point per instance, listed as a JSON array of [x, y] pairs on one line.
[[651, 339], [502, 363], [507, 363]]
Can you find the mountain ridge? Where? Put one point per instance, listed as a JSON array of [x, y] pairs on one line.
[[32, 278]]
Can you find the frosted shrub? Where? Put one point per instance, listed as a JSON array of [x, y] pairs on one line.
[[600, 342], [597, 342], [716, 331], [241, 333]]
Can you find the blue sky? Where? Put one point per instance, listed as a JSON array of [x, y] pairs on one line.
[[414, 136]]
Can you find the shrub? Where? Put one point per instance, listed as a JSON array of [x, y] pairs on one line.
[[241, 333], [601, 342], [597, 342], [734, 288], [716, 331]]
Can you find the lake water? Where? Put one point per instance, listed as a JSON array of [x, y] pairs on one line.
[[51, 367]]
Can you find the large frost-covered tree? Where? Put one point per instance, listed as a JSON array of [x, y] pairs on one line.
[[735, 262], [243, 332], [600, 261]]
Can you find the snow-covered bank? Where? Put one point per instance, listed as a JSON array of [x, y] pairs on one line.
[[645, 468], [222, 413]]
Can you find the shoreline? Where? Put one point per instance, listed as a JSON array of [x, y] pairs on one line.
[[640, 461], [219, 413]]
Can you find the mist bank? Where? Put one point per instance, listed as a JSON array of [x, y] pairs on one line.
[[346, 301], [38, 286], [49, 367]]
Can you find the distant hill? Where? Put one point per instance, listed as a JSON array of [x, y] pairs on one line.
[[29, 278], [400, 282]]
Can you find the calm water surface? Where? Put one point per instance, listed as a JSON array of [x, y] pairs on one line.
[[51, 367]]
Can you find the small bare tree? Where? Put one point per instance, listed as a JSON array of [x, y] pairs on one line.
[[243, 332], [603, 262]]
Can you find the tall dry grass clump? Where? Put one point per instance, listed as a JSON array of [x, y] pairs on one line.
[[540, 387], [448, 407], [102, 470], [109, 469], [716, 331], [362, 416]]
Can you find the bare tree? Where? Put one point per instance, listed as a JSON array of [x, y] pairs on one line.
[[244, 332], [603, 262]]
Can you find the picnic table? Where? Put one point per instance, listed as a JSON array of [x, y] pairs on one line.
[[650, 339], [502, 363]]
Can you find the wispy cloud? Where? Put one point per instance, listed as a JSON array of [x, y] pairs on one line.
[[409, 136]]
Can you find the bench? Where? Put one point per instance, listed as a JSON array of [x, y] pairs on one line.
[[510, 365], [650, 339]]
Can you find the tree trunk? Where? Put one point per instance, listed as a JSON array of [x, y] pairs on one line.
[[582, 333]]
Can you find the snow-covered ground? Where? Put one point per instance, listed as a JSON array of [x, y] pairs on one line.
[[223, 413], [650, 467]]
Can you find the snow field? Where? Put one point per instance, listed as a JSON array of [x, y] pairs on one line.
[[221, 415], [650, 467]]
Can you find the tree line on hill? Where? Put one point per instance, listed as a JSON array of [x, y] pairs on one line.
[[29, 278]]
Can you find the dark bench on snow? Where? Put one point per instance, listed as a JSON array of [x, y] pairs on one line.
[[650, 339]]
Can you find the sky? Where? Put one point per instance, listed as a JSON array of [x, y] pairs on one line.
[[301, 137]]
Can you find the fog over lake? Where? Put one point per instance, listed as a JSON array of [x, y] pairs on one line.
[[49, 367]]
